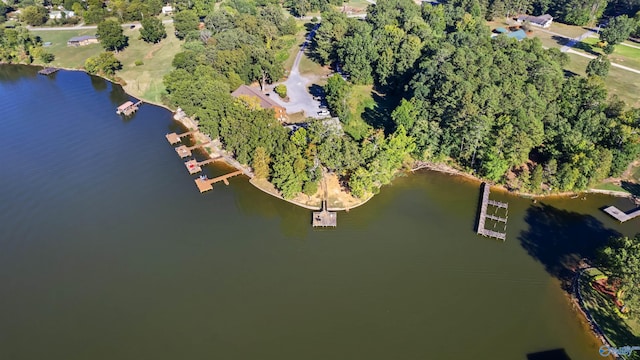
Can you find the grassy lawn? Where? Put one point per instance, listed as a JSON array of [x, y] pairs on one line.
[[621, 332], [357, 5], [145, 81], [310, 67], [361, 98], [610, 187], [571, 31], [623, 55], [69, 56]]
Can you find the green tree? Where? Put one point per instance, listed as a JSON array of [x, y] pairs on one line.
[[622, 263], [103, 64], [599, 66], [536, 178], [337, 91], [152, 30], [34, 15], [185, 22], [261, 162], [111, 35], [281, 90], [618, 30]]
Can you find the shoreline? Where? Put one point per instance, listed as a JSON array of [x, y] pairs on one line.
[[418, 165]]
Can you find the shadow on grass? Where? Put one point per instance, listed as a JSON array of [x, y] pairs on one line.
[[633, 188], [555, 354], [563, 41], [559, 239], [601, 309], [379, 116]]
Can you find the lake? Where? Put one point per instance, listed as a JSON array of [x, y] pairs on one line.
[[108, 251]]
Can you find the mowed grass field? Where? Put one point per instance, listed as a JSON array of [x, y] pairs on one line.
[[143, 81]]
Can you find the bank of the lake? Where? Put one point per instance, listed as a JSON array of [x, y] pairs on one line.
[[109, 251]]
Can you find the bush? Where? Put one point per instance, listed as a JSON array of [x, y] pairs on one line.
[[47, 57], [281, 90], [139, 62]]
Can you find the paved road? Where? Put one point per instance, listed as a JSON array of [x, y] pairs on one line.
[[299, 97], [86, 27], [573, 42], [571, 51]]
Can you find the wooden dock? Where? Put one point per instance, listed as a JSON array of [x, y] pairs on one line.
[[174, 138], [205, 184], [128, 108], [621, 215], [48, 71], [185, 151], [324, 217], [485, 203], [195, 166]]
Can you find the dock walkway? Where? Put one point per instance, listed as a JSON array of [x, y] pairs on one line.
[[621, 215], [195, 166], [485, 203], [205, 184], [174, 138], [324, 217]]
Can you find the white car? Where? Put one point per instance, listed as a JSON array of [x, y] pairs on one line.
[[324, 113]]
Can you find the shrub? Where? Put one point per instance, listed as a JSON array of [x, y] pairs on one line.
[[139, 62], [281, 90]]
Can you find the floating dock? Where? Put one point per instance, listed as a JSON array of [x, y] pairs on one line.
[[195, 166], [485, 203], [174, 138], [205, 184], [48, 71], [325, 218], [128, 108], [621, 215]]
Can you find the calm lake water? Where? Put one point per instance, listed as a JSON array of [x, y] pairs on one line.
[[108, 251]]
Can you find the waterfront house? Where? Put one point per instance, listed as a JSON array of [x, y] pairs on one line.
[[543, 21], [58, 14], [262, 100], [82, 40], [167, 10]]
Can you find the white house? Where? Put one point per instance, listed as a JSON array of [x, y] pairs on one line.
[[58, 14], [543, 21], [166, 10]]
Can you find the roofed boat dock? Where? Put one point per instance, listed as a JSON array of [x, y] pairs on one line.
[[174, 138], [185, 151], [128, 108], [195, 166]]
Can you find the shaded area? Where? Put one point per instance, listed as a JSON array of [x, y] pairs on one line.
[[633, 188], [603, 313], [555, 354], [563, 41], [379, 115], [559, 239]]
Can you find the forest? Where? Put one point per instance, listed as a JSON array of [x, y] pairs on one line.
[[500, 109]]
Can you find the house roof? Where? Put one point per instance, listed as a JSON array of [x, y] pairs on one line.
[[125, 106], [265, 101], [81, 38], [540, 20]]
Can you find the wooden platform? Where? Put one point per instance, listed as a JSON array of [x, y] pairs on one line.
[[621, 215], [195, 167], [325, 218], [205, 184], [48, 71], [185, 151], [174, 138], [128, 108], [485, 203]]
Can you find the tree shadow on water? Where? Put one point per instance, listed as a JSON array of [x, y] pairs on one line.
[[559, 239], [633, 188], [556, 354]]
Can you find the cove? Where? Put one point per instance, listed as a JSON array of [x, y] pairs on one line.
[[108, 251]]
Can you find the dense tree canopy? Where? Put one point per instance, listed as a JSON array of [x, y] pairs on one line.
[[34, 15], [622, 262], [19, 46], [111, 35], [104, 64], [152, 30]]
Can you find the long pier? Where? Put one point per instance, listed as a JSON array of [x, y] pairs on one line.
[[621, 215], [486, 202], [205, 184], [195, 166], [174, 138]]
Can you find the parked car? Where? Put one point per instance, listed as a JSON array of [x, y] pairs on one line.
[[324, 113]]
